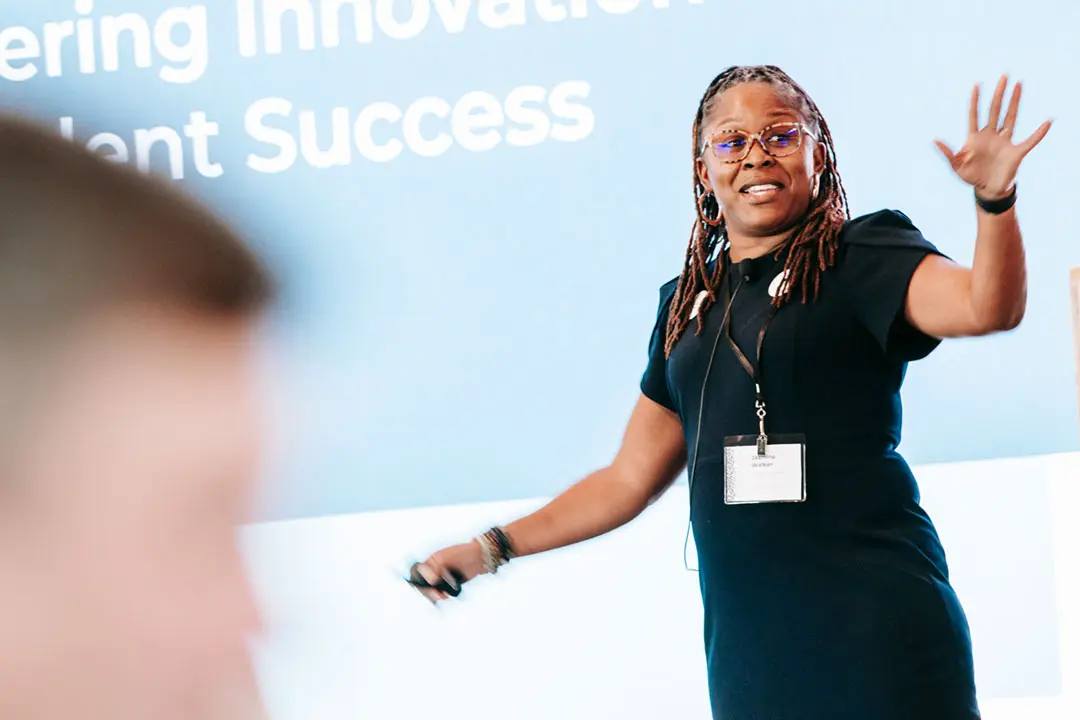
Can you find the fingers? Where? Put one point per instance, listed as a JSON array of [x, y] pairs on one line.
[[973, 111], [1014, 109], [946, 151], [995, 103], [432, 571], [1036, 138]]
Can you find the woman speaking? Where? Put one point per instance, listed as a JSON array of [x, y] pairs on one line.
[[774, 375]]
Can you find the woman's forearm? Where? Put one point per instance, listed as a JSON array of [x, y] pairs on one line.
[[999, 275], [599, 503]]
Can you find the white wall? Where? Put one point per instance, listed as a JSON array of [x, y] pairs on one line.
[[612, 628]]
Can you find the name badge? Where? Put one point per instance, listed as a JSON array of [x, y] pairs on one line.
[[768, 469]]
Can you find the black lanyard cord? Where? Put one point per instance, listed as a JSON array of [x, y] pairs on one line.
[[701, 408], [728, 302], [752, 369], [727, 299]]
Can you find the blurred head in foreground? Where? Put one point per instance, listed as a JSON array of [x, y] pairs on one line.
[[129, 429]]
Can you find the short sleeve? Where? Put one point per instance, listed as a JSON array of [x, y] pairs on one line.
[[654, 381], [880, 253]]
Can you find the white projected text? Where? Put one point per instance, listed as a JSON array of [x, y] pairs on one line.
[[173, 45], [169, 142], [263, 24], [429, 127], [67, 46]]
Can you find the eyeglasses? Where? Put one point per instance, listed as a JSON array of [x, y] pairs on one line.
[[777, 140]]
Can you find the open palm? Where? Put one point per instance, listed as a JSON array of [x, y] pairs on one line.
[[989, 159]]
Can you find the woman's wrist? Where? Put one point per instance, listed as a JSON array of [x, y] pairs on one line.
[[996, 202], [496, 549]]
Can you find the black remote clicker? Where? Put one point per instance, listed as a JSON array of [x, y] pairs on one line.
[[450, 583]]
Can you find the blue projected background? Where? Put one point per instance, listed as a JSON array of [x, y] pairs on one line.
[[473, 202]]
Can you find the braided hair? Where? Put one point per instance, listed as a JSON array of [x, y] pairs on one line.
[[814, 241]]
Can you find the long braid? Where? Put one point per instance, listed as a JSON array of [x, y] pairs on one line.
[[704, 239], [814, 242]]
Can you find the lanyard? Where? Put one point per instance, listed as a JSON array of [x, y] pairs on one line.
[[752, 369]]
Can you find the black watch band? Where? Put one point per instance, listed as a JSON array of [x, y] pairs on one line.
[[997, 207]]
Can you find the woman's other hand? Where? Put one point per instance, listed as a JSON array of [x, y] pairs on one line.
[[989, 159]]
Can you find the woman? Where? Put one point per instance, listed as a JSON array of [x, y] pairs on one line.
[[825, 585]]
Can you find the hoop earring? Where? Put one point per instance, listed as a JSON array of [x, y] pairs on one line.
[[705, 218]]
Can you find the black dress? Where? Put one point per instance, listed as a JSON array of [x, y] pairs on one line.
[[838, 607]]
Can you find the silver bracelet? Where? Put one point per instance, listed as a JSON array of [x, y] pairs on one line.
[[493, 559]]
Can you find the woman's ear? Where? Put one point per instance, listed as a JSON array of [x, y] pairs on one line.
[[703, 174], [819, 158]]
